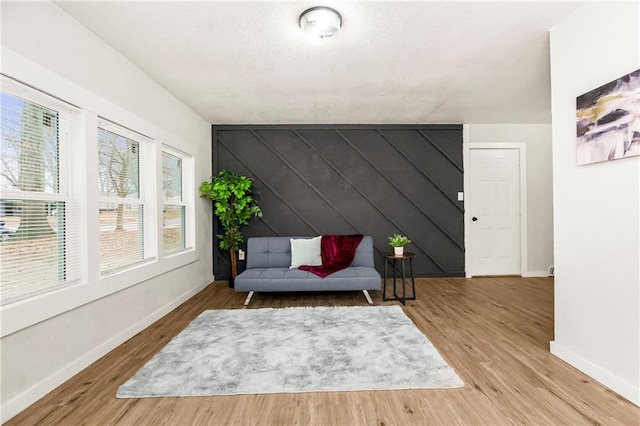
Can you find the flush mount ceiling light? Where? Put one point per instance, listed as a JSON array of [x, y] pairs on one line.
[[320, 22]]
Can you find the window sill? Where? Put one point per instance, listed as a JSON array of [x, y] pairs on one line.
[[27, 312]]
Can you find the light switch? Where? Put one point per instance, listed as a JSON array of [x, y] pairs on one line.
[[460, 196]]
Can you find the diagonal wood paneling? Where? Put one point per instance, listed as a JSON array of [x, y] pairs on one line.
[[373, 180]]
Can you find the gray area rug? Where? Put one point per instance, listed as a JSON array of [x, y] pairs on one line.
[[289, 350]]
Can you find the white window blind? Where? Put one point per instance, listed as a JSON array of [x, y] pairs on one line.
[[39, 208], [177, 199], [173, 207], [126, 185]]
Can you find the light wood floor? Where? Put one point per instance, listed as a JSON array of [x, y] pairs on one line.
[[495, 332]]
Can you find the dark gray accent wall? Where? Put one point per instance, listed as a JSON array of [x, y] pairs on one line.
[[347, 179]]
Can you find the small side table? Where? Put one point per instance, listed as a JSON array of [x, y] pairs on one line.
[[393, 259]]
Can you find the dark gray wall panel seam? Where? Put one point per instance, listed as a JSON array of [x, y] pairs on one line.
[[427, 215]]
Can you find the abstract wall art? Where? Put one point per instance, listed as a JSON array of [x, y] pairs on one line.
[[608, 121]]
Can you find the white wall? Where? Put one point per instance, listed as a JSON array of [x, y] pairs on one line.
[[537, 140], [596, 207], [49, 338]]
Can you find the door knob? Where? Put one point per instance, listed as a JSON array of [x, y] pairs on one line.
[[474, 218]]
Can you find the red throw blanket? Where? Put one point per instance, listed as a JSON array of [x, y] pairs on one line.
[[337, 252]]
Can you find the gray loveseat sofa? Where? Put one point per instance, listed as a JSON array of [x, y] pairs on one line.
[[268, 260]]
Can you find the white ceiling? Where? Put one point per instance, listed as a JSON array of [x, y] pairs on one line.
[[393, 62]]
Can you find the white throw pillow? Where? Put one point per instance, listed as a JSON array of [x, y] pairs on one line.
[[305, 252]]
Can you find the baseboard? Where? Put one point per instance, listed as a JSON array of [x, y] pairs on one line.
[[20, 402], [531, 274], [604, 377]]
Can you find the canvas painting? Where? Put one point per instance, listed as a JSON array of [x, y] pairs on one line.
[[608, 121]]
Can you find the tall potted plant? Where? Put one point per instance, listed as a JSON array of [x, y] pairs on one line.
[[234, 205]]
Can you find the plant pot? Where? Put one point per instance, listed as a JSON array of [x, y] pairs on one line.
[[398, 251]]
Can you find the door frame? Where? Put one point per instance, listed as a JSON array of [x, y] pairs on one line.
[[466, 161]]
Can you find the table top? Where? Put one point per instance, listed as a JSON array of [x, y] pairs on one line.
[[405, 255]]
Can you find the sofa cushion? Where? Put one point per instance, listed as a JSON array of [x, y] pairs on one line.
[[268, 252], [284, 279]]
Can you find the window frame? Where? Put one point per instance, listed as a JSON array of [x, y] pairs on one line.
[[187, 201], [145, 199], [68, 187]]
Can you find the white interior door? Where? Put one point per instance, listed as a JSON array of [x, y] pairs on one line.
[[495, 211]]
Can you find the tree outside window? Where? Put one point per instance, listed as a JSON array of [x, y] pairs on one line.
[[119, 169], [29, 163]]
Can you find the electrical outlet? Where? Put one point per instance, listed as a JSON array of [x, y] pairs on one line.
[[552, 271], [240, 254]]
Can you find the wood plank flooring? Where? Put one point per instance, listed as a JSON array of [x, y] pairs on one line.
[[494, 331]]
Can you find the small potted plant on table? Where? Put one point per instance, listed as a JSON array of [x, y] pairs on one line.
[[398, 242]]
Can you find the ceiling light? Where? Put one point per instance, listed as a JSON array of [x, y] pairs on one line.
[[320, 22]]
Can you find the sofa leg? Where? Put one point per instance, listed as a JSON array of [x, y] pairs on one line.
[[248, 299], [366, 294]]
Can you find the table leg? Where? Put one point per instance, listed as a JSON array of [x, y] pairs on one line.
[[404, 289], [395, 293], [384, 281], [413, 282]]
